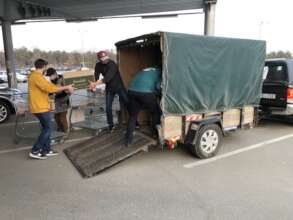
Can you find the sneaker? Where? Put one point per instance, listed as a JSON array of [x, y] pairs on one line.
[[137, 126], [38, 155], [111, 128], [52, 153]]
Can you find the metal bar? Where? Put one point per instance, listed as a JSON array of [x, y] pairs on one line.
[[9, 54], [210, 15]]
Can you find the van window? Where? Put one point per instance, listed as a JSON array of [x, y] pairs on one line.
[[275, 73], [265, 72]]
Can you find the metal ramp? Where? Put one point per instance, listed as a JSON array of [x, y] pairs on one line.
[[103, 151]]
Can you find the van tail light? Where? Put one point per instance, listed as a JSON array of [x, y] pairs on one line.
[[290, 95]]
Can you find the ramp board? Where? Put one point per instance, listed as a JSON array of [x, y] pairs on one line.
[[103, 151]]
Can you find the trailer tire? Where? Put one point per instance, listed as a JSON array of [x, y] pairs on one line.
[[207, 141]]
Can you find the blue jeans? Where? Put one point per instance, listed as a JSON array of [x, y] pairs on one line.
[[123, 99], [137, 102], [43, 142]]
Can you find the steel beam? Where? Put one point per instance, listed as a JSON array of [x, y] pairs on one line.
[[9, 54], [210, 17]]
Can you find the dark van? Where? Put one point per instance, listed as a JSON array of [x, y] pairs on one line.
[[277, 90]]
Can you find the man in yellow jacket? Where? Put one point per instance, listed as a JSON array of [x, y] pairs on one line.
[[38, 89]]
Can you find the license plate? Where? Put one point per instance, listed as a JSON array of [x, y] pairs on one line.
[[268, 96]]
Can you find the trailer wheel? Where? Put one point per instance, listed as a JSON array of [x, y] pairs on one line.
[[207, 141]]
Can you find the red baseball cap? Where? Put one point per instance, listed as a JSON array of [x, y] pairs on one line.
[[102, 55]]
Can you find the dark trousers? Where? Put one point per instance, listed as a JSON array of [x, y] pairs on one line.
[[138, 101], [61, 121], [123, 99], [43, 142]]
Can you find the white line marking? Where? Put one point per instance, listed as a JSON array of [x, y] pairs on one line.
[[7, 124], [15, 150], [232, 153], [29, 147]]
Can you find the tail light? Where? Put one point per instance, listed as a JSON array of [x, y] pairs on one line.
[[290, 95], [172, 142]]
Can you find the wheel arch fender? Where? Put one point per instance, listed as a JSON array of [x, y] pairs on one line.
[[195, 126], [9, 103]]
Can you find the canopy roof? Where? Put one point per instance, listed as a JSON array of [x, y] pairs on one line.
[[14, 10]]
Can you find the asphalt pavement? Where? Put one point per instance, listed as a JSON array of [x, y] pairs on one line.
[[251, 178]]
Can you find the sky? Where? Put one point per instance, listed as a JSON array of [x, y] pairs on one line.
[[251, 19]]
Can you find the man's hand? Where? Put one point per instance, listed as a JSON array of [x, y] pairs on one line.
[[99, 82], [91, 86], [70, 88]]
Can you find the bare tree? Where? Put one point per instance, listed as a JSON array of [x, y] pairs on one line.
[[26, 57], [279, 54]]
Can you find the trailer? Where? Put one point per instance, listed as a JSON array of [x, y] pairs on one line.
[[211, 86]]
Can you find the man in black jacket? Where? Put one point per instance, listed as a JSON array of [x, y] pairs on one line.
[[114, 85]]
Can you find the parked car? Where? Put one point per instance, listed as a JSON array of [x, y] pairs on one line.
[[3, 76], [24, 72], [8, 102], [21, 78], [277, 90]]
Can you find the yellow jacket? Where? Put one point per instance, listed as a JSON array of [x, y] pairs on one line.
[[38, 91]]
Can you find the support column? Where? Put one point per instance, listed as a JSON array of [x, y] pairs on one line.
[[9, 54], [210, 16]]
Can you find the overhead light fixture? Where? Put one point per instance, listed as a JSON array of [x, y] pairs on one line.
[[18, 23], [73, 20], [26, 21], [170, 15], [159, 16]]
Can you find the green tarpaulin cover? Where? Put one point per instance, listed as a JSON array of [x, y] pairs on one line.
[[206, 74]]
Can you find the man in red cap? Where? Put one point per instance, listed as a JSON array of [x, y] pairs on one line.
[[114, 85]]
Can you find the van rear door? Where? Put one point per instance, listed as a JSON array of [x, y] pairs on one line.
[[275, 85]]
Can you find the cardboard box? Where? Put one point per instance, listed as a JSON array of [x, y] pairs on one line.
[[79, 78]]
